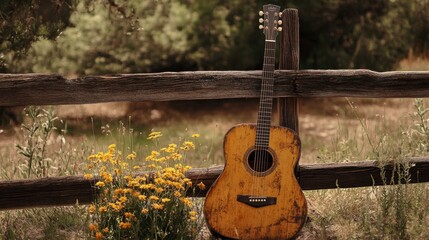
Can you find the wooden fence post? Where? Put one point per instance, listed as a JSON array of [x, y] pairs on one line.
[[289, 60]]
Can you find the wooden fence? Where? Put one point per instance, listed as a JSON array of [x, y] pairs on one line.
[[290, 85]]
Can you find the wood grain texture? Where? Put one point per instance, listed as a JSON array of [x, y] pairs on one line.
[[45, 89], [289, 60], [229, 218], [58, 191]]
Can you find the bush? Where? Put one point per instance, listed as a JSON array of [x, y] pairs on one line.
[[151, 205]]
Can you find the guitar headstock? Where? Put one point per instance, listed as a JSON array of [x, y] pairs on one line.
[[270, 22]]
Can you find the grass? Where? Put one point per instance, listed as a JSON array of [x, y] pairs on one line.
[[384, 212], [354, 130]]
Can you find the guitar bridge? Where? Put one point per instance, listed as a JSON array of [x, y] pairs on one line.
[[257, 201]]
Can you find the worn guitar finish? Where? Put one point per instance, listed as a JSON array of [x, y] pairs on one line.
[[230, 218], [257, 195]]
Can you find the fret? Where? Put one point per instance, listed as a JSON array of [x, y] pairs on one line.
[[266, 100], [265, 104], [266, 119]]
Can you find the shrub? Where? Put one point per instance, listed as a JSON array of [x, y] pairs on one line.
[[149, 205]]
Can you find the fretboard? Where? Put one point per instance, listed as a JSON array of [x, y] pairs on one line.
[[266, 101]]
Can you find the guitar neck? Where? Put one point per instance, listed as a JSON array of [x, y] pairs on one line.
[[266, 101]]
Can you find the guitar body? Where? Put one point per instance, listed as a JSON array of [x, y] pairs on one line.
[[264, 204]]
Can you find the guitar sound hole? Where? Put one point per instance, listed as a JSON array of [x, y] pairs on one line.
[[260, 160]]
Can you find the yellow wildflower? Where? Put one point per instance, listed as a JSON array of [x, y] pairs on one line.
[[124, 225], [132, 156], [186, 168], [124, 164], [146, 186], [159, 181], [187, 181], [136, 167], [177, 194], [93, 227], [135, 193], [106, 229], [92, 157], [186, 201], [176, 156], [154, 198], [116, 206], [192, 213], [195, 135], [128, 215], [119, 191], [154, 135], [112, 146], [91, 208], [128, 190], [98, 236], [123, 199], [159, 190], [107, 156], [162, 159], [88, 176], [151, 166], [117, 171], [107, 177], [165, 200], [145, 210], [170, 149], [100, 184], [140, 179], [157, 206], [187, 145], [133, 183], [128, 178], [141, 197], [154, 153], [201, 186], [102, 209], [177, 185]]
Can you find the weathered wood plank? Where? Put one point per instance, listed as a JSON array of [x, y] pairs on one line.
[[359, 174], [45, 89], [58, 191]]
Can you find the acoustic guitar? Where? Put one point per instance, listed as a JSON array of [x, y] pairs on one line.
[[257, 196]]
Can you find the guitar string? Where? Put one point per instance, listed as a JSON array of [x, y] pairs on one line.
[[258, 151], [264, 120], [268, 99], [256, 160], [262, 126]]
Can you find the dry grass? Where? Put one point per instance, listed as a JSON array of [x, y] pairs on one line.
[[412, 63], [330, 129]]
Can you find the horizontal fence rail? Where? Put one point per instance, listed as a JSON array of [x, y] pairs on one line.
[[58, 191], [49, 89]]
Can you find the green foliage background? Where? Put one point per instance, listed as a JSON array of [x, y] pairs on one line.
[[108, 36]]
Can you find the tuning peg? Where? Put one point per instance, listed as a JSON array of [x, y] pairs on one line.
[[280, 22], [280, 14], [261, 20], [261, 13], [261, 27], [279, 29]]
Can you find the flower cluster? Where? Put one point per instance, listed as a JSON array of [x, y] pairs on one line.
[[148, 205]]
